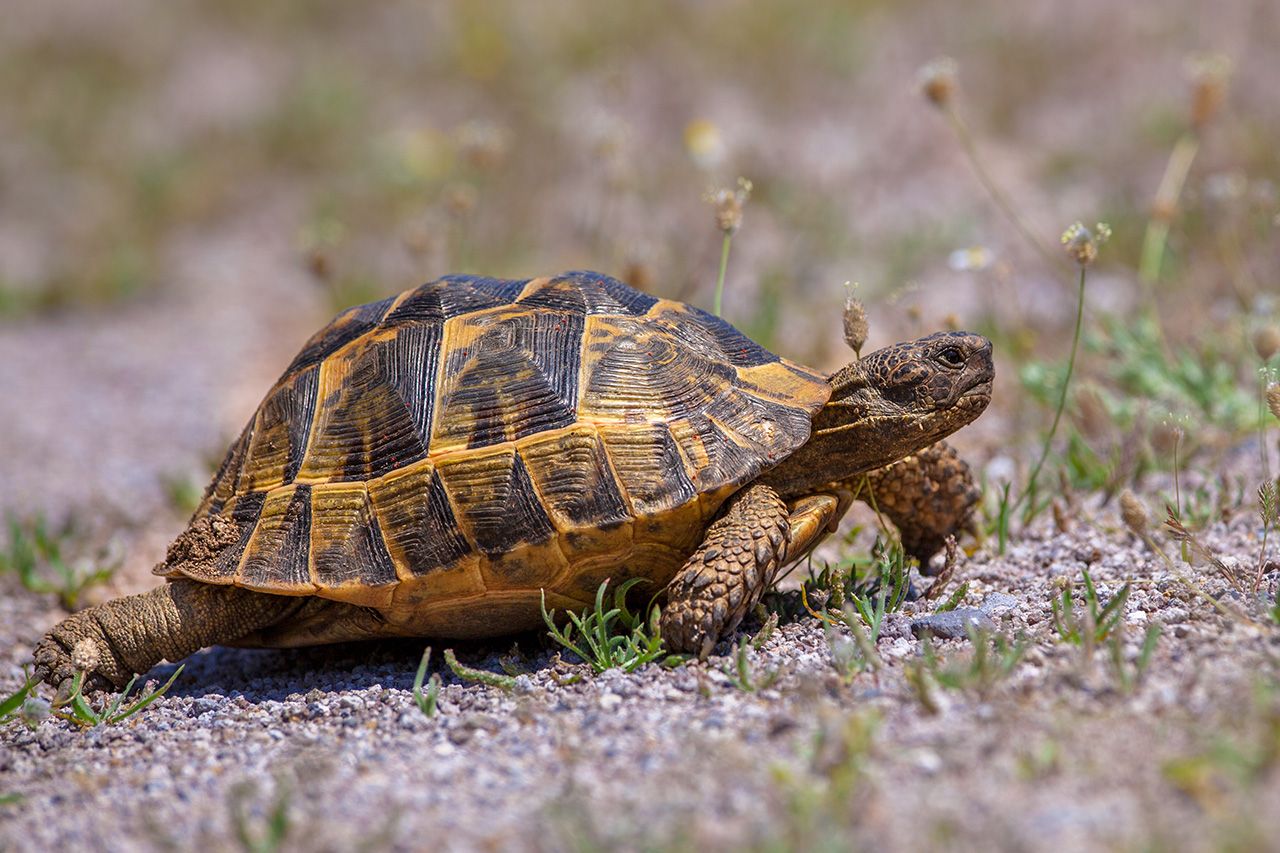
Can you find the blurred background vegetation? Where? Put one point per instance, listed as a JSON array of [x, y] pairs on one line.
[[387, 143]]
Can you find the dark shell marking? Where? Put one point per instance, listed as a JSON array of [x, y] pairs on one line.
[[475, 435]]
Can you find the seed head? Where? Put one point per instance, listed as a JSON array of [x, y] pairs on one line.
[[34, 711], [1209, 74], [1061, 516], [1165, 437], [1133, 512], [1082, 244], [728, 204], [936, 80], [856, 326], [1095, 421], [1266, 342], [460, 200], [1273, 398], [84, 655]]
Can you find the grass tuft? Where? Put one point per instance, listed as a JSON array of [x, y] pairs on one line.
[[38, 556], [611, 637], [83, 714], [427, 703]]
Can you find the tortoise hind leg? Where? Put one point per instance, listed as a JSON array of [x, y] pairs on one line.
[[115, 640], [737, 561], [928, 496]]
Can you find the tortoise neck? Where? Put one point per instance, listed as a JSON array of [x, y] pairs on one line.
[[855, 432]]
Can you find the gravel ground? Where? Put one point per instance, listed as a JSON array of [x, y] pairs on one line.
[[1055, 757]]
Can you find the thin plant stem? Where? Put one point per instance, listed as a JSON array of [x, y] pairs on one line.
[[1262, 558], [1001, 199], [1177, 492], [724, 264], [1262, 422], [1166, 200], [1062, 403]]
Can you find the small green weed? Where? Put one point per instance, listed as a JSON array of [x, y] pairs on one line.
[[944, 577], [36, 555], [83, 714], [1094, 621], [426, 703], [21, 705], [466, 673], [856, 654], [1129, 675], [990, 662], [953, 600], [886, 580], [610, 638], [1267, 512], [741, 674], [1202, 383], [859, 605]]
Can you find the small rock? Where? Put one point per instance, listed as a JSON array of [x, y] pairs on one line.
[[952, 624], [998, 604], [412, 720], [208, 702], [897, 649], [928, 760]]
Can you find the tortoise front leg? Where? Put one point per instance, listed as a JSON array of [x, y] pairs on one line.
[[115, 640], [738, 560]]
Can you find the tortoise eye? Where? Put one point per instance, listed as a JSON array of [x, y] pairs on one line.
[[951, 357]]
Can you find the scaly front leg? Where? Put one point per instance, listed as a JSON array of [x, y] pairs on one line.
[[738, 560]]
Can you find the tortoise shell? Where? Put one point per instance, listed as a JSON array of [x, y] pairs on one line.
[[446, 455]]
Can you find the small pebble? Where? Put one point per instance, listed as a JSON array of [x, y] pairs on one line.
[[998, 604], [952, 624]]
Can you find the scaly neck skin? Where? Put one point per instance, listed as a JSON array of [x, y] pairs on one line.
[[855, 432], [888, 405]]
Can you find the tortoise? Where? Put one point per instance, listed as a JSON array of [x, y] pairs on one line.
[[436, 463]]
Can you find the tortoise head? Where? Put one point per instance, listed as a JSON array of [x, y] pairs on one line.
[[890, 404]]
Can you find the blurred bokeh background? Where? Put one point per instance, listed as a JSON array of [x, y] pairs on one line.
[[188, 189]]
